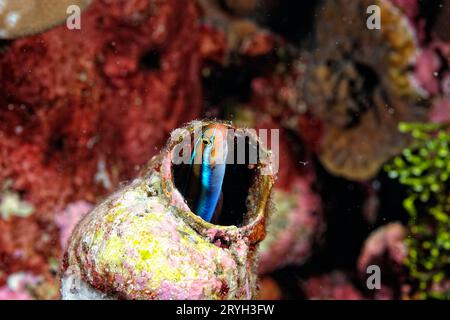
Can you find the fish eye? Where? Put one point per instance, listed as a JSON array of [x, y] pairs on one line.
[[205, 141]]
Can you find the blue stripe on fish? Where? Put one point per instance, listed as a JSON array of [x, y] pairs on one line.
[[211, 180]]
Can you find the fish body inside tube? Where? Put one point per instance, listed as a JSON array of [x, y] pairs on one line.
[[207, 170]]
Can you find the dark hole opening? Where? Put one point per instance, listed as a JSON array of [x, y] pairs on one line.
[[4, 45], [239, 177], [150, 61], [363, 92], [429, 11], [369, 76], [292, 19], [57, 143]]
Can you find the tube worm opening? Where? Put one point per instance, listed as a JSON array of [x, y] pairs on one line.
[[362, 93], [241, 175], [150, 60]]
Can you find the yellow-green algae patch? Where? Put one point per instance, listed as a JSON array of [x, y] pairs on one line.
[[146, 240]]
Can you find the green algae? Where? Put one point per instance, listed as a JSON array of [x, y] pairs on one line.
[[424, 168]]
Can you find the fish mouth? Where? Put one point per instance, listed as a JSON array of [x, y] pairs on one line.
[[246, 184]]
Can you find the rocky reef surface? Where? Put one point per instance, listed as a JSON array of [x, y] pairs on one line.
[[363, 129]]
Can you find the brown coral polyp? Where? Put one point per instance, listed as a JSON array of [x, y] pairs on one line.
[[361, 86]]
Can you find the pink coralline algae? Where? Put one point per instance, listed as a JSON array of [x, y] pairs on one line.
[[293, 228], [386, 248], [333, 286], [427, 68], [431, 68], [8, 294], [385, 241], [67, 219], [296, 223], [441, 111], [18, 286], [410, 7], [411, 10], [81, 110]]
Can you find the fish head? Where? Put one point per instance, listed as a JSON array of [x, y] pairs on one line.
[[211, 146]]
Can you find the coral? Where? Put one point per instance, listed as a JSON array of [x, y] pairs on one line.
[[296, 223], [27, 245], [275, 102], [359, 85], [424, 169], [82, 110], [10, 204], [333, 286], [409, 7], [427, 67], [20, 18], [293, 228], [242, 7], [235, 35], [430, 21], [388, 239], [26, 286], [440, 112], [386, 248], [278, 94], [228, 44], [18, 287], [67, 219], [8, 294], [269, 289], [145, 242]]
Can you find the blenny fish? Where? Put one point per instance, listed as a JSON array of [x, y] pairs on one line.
[[207, 171]]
